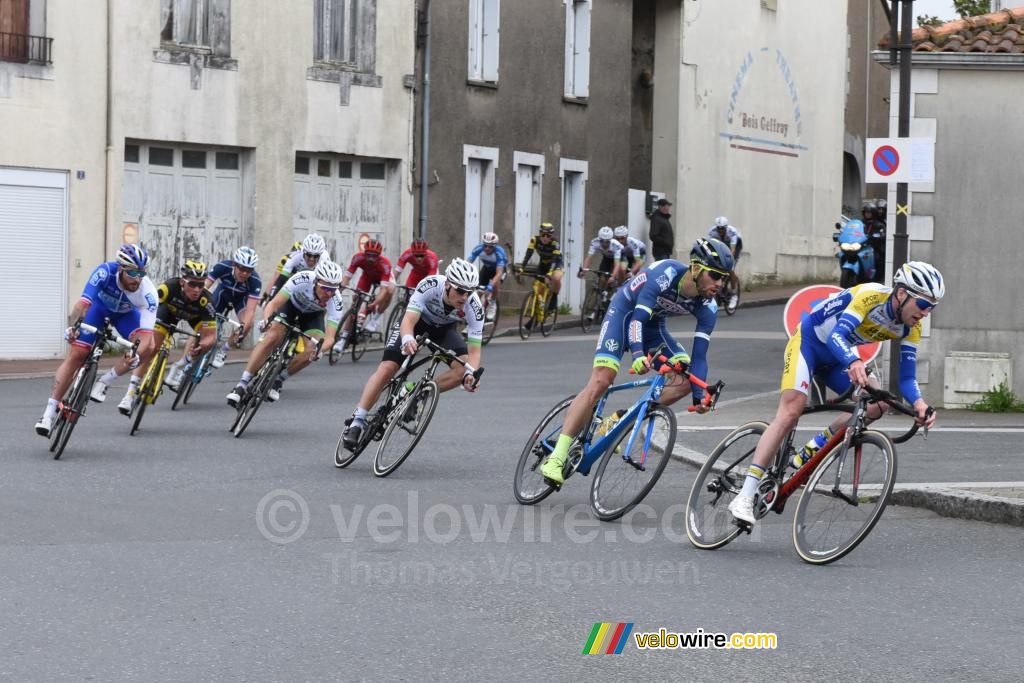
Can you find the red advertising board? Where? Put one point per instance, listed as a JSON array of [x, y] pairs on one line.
[[801, 303]]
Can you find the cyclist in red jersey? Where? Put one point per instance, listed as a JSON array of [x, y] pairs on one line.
[[422, 261], [376, 270]]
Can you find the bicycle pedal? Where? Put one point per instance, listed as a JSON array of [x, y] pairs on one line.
[[556, 486], [744, 526]]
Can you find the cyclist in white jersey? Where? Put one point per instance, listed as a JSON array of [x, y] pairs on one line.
[[634, 250], [439, 302], [613, 259], [728, 234]]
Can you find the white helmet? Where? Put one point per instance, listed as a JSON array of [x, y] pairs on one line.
[[328, 272], [622, 231], [605, 233], [314, 244], [462, 274], [920, 279], [490, 238], [721, 222], [246, 257]]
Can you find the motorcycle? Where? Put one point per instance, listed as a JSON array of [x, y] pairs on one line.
[[855, 253]]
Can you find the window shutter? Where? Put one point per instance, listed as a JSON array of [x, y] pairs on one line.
[[492, 29], [366, 45], [220, 27], [581, 57], [570, 50], [473, 69]]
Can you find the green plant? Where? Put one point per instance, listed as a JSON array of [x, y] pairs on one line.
[[1001, 399], [563, 309]]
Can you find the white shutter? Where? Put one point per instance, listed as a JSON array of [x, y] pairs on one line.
[[33, 206], [490, 39], [581, 56], [474, 180], [475, 10], [570, 50]]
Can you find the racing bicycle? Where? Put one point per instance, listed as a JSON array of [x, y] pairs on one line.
[[198, 369], [401, 302], [152, 384], [595, 305], [621, 444], [535, 311], [724, 297], [357, 336], [72, 406]]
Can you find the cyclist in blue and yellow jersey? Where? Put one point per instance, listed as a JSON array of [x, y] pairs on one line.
[[180, 298], [550, 261], [493, 266], [304, 255], [118, 291], [825, 343], [636, 321]]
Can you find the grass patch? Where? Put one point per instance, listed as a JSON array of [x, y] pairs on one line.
[[563, 309], [1001, 399]]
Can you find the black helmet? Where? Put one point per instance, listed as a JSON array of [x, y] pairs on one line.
[[712, 253]]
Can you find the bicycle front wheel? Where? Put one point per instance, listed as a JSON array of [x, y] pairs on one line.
[[526, 316], [529, 486], [709, 524], [844, 498], [548, 316], [491, 325], [258, 388], [406, 426], [147, 388], [627, 472], [397, 313], [79, 398], [588, 312]]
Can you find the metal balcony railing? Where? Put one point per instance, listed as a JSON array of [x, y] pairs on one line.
[[20, 47]]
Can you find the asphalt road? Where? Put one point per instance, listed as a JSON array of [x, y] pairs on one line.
[[160, 556]]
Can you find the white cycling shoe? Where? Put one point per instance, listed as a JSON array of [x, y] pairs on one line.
[[733, 300], [44, 426], [219, 358], [742, 508], [99, 392], [125, 406]]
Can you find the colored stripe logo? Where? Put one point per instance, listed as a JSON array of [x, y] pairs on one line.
[[607, 639]]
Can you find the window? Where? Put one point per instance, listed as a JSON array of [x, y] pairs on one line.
[[197, 23], [23, 31], [227, 161], [371, 171], [483, 40], [335, 39], [344, 169], [323, 168], [577, 48], [193, 158], [302, 165], [161, 156], [131, 154]]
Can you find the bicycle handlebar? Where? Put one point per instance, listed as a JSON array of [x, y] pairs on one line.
[[596, 272], [110, 335], [682, 369], [424, 340], [896, 404]]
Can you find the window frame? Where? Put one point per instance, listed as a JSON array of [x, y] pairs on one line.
[[577, 49], [484, 40]]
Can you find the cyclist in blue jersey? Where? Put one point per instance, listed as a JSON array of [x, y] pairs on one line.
[[238, 287], [636, 321], [493, 267], [118, 290]]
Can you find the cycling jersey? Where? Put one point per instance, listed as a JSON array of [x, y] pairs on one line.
[[634, 249], [295, 262], [129, 312], [860, 315], [549, 254], [732, 236], [613, 251], [174, 306], [303, 309], [420, 269], [231, 291], [637, 314], [428, 301], [284, 259], [374, 272], [496, 259]]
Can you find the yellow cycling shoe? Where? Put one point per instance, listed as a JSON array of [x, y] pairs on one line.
[[552, 468]]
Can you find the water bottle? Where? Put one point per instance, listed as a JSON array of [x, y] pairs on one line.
[[406, 389], [361, 317], [609, 422]]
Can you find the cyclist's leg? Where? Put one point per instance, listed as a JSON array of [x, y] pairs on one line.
[[390, 362], [385, 292], [313, 325]]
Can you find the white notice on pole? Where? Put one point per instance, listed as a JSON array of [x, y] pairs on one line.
[[922, 160], [899, 160]]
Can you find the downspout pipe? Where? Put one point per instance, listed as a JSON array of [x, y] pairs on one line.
[[108, 190], [421, 233]]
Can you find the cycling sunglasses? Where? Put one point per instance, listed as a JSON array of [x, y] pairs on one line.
[[715, 275], [194, 284], [312, 256], [328, 290], [243, 269], [135, 272], [924, 304], [463, 292]]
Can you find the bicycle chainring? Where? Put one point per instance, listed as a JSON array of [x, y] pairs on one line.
[[766, 496]]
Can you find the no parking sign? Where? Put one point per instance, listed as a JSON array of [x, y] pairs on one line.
[[801, 303]]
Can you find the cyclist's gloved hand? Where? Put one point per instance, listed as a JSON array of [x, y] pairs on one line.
[[640, 365], [70, 334], [923, 418], [262, 325], [409, 345], [679, 358], [134, 360], [469, 381], [579, 273], [490, 287]]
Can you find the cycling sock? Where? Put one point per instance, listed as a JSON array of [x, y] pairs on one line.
[[133, 383], [754, 474], [562, 447], [108, 376], [246, 376], [180, 363], [283, 375], [360, 414], [51, 407]]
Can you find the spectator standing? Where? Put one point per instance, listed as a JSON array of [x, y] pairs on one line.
[[663, 237]]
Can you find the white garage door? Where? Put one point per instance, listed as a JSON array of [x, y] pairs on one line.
[[33, 225]]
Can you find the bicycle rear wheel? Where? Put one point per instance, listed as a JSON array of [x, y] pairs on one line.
[[624, 478], [549, 317], [588, 312], [406, 426], [526, 316], [491, 325], [147, 388], [528, 485], [709, 524], [332, 355], [257, 393], [61, 421], [79, 398], [344, 457], [357, 341], [844, 498]]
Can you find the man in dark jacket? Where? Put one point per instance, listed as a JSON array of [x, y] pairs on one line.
[[663, 237]]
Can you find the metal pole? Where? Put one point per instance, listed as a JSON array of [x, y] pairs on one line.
[[425, 123], [900, 241]]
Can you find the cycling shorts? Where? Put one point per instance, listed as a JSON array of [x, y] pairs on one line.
[[487, 273], [612, 342], [806, 357], [167, 321], [414, 278], [447, 336], [367, 282], [310, 323], [126, 323], [607, 264], [224, 298]]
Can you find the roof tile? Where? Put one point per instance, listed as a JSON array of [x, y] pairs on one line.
[[995, 32]]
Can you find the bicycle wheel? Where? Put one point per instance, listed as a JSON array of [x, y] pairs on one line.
[[528, 486], [61, 421], [550, 316], [200, 372], [357, 342], [526, 316], [709, 524], [491, 325], [79, 398], [624, 478], [187, 379], [147, 388], [844, 498], [332, 355], [406, 426], [344, 457], [730, 310], [397, 313], [259, 387], [588, 312]]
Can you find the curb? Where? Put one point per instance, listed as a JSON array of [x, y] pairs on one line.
[[950, 502]]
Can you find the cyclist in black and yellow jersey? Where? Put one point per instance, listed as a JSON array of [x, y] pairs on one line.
[[550, 255], [179, 298]]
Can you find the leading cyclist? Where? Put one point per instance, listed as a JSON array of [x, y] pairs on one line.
[[636, 320]]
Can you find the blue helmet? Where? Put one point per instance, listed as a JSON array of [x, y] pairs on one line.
[[713, 254], [132, 256]]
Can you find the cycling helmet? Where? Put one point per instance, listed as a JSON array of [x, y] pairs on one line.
[[711, 253], [462, 274], [920, 279], [132, 256], [373, 247], [622, 231], [314, 244], [418, 247], [605, 233], [721, 222], [195, 270], [547, 229], [328, 272], [246, 257], [490, 238]]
